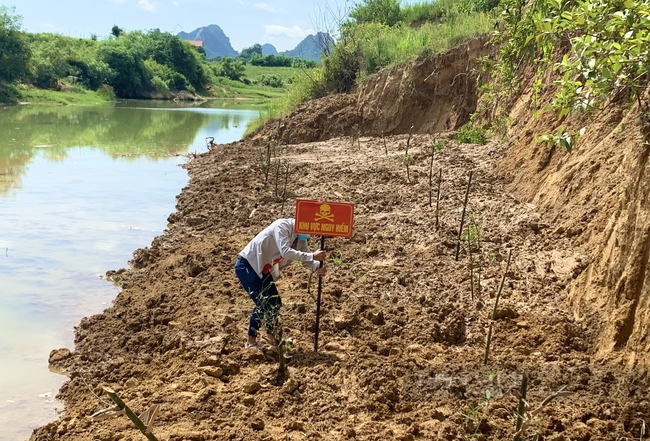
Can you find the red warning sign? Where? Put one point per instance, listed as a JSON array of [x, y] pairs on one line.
[[324, 218]]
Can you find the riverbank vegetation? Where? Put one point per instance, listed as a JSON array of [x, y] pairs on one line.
[[138, 64], [599, 51], [378, 34]]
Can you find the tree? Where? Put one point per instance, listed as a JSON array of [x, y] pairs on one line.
[[14, 53], [117, 31], [229, 69], [249, 52], [377, 11]]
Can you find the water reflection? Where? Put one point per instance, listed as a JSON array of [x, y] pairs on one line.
[[128, 129], [80, 189]]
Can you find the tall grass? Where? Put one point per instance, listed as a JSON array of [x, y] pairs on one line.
[[388, 47], [426, 11]]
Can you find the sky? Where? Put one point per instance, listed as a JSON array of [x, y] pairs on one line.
[[282, 23]]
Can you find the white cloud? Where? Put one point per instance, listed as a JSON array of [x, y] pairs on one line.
[[146, 5], [292, 32], [269, 8], [240, 2], [176, 4]]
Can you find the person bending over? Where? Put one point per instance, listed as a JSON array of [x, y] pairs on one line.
[[259, 265]]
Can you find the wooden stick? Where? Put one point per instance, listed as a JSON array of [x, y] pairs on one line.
[[503, 279], [384, 140], [132, 416], [268, 162], [462, 218], [471, 266], [284, 193], [408, 141], [433, 150], [320, 290], [438, 200], [277, 177]]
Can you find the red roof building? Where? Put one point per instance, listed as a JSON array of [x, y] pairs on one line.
[[198, 43]]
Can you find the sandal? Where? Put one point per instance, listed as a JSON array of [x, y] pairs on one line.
[[255, 346]]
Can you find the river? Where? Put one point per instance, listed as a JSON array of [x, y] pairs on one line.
[[80, 189]]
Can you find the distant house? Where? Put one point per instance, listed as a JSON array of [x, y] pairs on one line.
[[198, 43]]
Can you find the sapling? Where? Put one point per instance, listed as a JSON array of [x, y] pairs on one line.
[[268, 162], [356, 134], [503, 279], [438, 200], [144, 422], [493, 316], [525, 417], [474, 230], [462, 218], [433, 150], [408, 141], [471, 266], [435, 147], [487, 346], [277, 176], [284, 192], [521, 407]]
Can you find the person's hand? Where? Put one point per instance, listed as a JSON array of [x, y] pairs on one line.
[[320, 255], [321, 272]]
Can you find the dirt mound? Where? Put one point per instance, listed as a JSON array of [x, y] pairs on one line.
[[402, 339], [432, 94]]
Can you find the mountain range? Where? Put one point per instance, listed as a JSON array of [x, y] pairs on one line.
[[217, 44]]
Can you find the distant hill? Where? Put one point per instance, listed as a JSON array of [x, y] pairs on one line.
[[269, 49], [311, 47], [215, 42]]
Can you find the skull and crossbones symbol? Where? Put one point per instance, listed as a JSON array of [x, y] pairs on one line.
[[324, 213]]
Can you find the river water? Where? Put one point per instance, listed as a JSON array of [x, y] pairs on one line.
[[80, 189]]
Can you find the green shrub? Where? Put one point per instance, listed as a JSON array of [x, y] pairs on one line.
[[106, 92], [161, 86], [470, 134], [271, 80]]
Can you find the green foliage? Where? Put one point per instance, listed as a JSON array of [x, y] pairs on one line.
[[386, 12], [229, 68], [604, 46], [271, 80], [443, 10], [57, 57], [271, 60], [14, 53], [366, 48], [249, 52], [116, 31], [471, 134]]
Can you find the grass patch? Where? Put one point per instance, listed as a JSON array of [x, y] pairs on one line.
[[78, 95], [254, 72], [226, 88]]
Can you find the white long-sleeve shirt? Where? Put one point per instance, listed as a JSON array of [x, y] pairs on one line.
[[271, 249]]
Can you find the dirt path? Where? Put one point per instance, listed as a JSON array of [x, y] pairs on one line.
[[402, 339]]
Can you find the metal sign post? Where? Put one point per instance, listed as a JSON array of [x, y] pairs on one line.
[[325, 219], [320, 290]]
